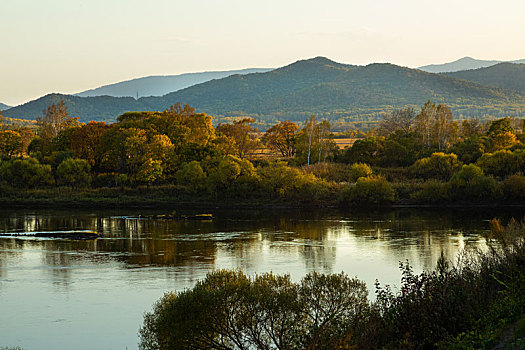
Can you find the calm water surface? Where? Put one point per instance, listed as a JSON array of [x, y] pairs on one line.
[[65, 294]]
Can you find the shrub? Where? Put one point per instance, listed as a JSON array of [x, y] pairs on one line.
[[514, 187], [74, 172], [191, 176], [334, 172], [471, 184], [433, 191], [25, 173], [229, 310], [360, 170], [502, 163], [439, 166], [369, 190]]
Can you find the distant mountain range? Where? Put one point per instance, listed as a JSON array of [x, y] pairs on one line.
[[464, 63], [161, 85], [505, 75], [3, 107], [318, 86]]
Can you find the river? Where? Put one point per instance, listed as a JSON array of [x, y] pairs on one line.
[[70, 294]]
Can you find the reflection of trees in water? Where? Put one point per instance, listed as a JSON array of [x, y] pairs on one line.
[[246, 236], [10, 251]]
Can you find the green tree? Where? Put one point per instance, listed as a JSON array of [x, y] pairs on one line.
[[438, 166], [25, 173], [74, 172]]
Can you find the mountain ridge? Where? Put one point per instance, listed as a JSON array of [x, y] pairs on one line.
[[159, 85], [464, 63], [4, 107], [314, 86]]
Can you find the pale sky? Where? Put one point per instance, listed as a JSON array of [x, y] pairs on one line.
[[69, 46]]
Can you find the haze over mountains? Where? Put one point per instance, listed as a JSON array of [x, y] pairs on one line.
[[318, 86], [161, 85], [4, 106], [464, 63]]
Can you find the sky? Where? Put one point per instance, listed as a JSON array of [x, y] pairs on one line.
[[69, 46]]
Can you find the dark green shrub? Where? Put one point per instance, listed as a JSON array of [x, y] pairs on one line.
[[25, 173], [74, 172], [433, 191], [502, 163], [514, 187], [471, 184], [229, 310]]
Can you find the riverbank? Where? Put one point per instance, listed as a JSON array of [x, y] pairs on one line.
[[175, 196]]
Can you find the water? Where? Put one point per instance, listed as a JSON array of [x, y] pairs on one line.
[[65, 294]]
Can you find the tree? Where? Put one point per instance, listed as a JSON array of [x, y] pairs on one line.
[[281, 138], [425, 121], [471, 128], [229, 310], [74, 172], [400, 119], [10, 144], [85, 142], [55, 119], [242, 133], [25, 173], [444, 130]]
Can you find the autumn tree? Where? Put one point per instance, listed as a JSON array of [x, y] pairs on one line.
[[242, 133], [399, 119], [281, 138], [10, 143], [85, 142], [444, 128], [55, 119], [471, 128], [425, 120]]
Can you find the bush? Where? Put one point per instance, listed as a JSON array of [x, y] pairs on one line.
[[74, 172], [514, 187], [369, 190], [191, 176], [438, 166], [229, 310], [471, 184], [502, 163], [360, 170], [334, 172], [433, 191], [25, 173]]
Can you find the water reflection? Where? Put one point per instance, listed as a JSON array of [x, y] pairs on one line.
[[114, 279]]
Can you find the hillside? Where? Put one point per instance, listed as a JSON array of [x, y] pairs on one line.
[[3, 107], [161, 85], [505, 75], [465, 63], [328, 89]]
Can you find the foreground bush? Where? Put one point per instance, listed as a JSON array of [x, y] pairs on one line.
[[229, 310], [453, 307]]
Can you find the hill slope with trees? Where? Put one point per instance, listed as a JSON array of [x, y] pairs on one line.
[[331, 90], [510, 76]]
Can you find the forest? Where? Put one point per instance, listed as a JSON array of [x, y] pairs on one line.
[[177, 156]]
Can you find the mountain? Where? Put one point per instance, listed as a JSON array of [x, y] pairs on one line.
[[3, 107], [505, 75], [464, 63], [161, 85], [339, 92]]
